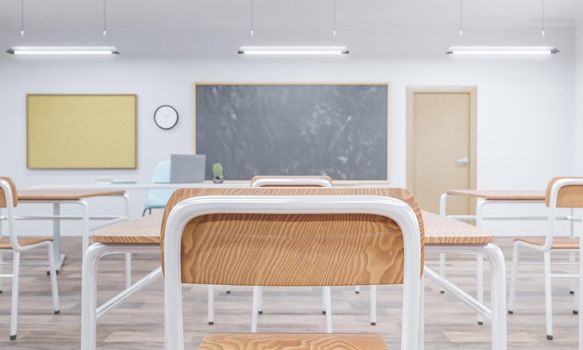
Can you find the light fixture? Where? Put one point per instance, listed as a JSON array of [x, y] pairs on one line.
[[63, 50], [293, 50], [502, 50]]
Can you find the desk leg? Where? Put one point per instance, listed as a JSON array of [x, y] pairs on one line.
[[498, 288], [1, 257], [85, 223], [59, 257], [480, 264], [580, 295], [128, 256], [89, 297], [422, 314]]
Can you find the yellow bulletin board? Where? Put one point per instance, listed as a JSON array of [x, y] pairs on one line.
[[81, 131]]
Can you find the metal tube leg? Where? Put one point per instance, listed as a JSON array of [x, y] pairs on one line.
[[128, 259], [580, 295], [328, 298], [85, 222], [260, 301], [512, 294], [480, 284], [89, 297], [373, 305], [1, 259], [422, 314], [54, 285], [1, 268], [324, 302], [15, 282], [442, 268], [548, 296], [498, 290], [572, 282], [357, 290], [254, 306], [211, 304], [57, 235]]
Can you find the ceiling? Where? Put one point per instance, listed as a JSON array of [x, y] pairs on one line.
[[217, 23]]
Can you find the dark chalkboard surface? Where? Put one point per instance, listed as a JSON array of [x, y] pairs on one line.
[[339, 130]]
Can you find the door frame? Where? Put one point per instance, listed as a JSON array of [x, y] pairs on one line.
[[473, 92]]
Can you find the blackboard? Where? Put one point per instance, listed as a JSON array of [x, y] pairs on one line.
[[339, 130]]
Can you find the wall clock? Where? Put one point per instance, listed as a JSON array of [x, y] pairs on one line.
[[166, 117]]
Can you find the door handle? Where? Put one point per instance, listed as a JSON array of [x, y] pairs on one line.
[[463, 161]]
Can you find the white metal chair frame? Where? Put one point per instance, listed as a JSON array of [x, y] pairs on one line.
[[480, 218], [17, 250], [394, 209], [546, 250]]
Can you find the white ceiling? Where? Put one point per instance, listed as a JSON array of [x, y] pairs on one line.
[[221, 23]]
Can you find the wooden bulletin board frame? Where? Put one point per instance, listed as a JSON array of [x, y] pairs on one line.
[[346, 182], [81, 131]]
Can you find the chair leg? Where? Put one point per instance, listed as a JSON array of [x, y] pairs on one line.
[[328, 302], [128, 275], [14, 306], [1, 279], [254, 308], [548, 296], [512, 293], [211, 304], [442, 268], [324, 302], [357, 290], [54, 285], [373, 305], [480, 284], [260, 300]]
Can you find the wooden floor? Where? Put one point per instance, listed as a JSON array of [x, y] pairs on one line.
[[138, 323]]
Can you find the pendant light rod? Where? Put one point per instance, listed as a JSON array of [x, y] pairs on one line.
[[542, 31], [461, 23], [252, 14], [21, 18], [334, 18], [104, 19]]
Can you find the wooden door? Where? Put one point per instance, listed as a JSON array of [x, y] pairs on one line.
[[441, 145]]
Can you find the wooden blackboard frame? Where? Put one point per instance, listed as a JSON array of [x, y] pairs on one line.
[[347, 182]]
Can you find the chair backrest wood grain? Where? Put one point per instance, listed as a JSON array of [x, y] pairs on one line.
[[3, 195], [293, 249], [570, 196]]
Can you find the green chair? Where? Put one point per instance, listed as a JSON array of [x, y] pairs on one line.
[[157, 199]]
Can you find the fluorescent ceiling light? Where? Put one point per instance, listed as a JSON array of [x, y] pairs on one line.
[[293, 50], [502, 50], [63, 50]]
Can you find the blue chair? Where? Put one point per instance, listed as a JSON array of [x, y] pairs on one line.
[[157, 199]]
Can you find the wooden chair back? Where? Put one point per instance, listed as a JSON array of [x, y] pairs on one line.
[[568, 196], [292, 249], [3, 195]]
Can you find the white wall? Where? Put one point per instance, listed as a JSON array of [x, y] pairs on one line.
[[525, 105]]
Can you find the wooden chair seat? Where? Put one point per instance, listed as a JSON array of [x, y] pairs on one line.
[[266, 341], [5, 241], [558, 242]]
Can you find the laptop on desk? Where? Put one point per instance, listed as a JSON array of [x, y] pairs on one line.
[[187, 168]]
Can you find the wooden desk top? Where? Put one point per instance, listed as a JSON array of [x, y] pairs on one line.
[[64, 195], [441, 231], [145, 230], [502, 195], [438, 230]]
